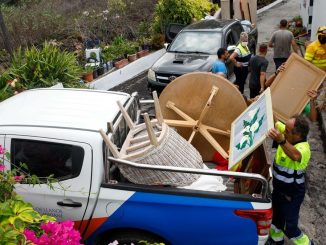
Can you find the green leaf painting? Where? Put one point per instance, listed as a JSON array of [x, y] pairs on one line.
[[250, 129]]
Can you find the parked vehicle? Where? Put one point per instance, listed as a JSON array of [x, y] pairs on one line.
[[195, 49], [55, 131]]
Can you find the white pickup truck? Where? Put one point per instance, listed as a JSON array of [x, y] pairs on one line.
[[55, 131]]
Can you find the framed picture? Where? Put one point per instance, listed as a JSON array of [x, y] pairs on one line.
[[289, 90], [249, 130]]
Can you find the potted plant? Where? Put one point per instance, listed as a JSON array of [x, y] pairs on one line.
[[121, 63], [95, 74], [100, 69], [88, 74], [131, 52]]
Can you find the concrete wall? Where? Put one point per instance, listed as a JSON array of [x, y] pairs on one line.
[[304, 13], [318, 17], [313, 16]]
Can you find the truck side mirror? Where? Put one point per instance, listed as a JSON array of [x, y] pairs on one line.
[[166, 45]]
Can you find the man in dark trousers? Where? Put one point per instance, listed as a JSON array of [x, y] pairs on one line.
[[289, 167], [281, 41], [258, 66]]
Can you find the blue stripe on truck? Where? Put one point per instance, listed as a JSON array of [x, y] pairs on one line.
[[185, 220]]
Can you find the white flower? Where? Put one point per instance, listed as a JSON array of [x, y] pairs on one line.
[[246, 129], [244, 139], [252, 113], [86, 13], [114, 243], [254, 127]]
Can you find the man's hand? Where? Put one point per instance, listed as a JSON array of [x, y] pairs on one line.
[[274, 134], [281, 68], [312, 94]]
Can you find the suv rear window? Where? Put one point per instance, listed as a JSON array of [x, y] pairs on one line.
[[43, 158], [196, 42]]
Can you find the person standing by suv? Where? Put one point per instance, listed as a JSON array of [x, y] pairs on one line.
[[281, 41], [240, 57], [258, 66], [219, 66]]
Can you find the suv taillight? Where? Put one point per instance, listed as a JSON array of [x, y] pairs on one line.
[[262, 218]]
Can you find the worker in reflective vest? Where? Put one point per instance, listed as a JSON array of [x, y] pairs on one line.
[[240, 58], [316, 51], [290, 163]]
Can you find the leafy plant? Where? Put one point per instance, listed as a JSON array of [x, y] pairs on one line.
[[37, 68], [178, 11], [157, 41], [88, 69], [19, 222], [119, 41]]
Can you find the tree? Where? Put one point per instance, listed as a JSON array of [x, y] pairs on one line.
[[4, 30], [178, 11]]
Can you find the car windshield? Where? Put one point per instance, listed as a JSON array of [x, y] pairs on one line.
[[196, 42]]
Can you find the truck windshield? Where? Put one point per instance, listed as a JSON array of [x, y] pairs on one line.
[[196, 42]]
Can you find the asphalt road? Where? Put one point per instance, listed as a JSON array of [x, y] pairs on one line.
[[137, 84]]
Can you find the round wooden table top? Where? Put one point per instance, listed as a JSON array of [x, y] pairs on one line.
[[190, 93]]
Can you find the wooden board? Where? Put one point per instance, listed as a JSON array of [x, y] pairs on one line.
[[289, 90], [237, 10], [256, 163], [248, 131], [190, 93]]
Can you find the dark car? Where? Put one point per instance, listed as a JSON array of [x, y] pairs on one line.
[[194, 49]]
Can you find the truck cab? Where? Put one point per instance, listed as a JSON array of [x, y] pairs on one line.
[[55, 131]]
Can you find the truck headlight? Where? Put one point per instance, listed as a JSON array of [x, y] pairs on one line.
[[151, 75]]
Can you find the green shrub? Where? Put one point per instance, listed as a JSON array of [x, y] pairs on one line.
[[178, 11], [37, 68]]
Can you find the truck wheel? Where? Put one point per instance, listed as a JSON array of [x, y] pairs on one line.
[[128, 237]]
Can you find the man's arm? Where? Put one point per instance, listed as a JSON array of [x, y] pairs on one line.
[[262, 78], [295, 47], [262, 81], [313, 109], [288, 148], [233, 57], [309, 54], [272, 77], [271, 42]]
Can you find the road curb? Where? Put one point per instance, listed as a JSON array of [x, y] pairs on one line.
[[269, 6]]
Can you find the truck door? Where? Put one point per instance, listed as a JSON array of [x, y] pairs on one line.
[[2, 144], [69, 162]]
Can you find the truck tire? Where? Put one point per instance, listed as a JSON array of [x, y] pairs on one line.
[[128, 237]]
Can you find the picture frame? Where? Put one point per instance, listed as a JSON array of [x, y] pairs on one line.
[[289, 89], [248, 130]]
